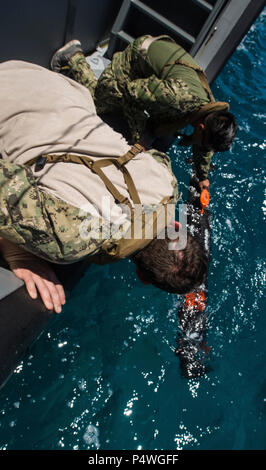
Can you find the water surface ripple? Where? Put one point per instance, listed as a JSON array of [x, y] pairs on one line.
[[104, 375]]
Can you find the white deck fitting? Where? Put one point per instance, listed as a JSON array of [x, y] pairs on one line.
[[97, 62]]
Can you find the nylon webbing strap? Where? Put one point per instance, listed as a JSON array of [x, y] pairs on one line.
[[137, 148], [127, 176], [109, 185], [120, 163], [97, 165]]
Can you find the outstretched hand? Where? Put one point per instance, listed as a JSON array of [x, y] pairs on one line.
[[205, 184], [39, 276]]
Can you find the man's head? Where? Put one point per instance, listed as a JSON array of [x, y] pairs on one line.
[[217, 131], [175, 271]]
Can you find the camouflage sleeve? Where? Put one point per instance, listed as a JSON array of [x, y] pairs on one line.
[[161, 96], [202, 161], [136, 119], [163, 99], [40, 223], [19, 202]]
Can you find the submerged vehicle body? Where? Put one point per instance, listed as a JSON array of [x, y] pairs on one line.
[[191, 348], [209, 30]]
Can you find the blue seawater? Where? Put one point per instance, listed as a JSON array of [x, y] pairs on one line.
[[104, 374]]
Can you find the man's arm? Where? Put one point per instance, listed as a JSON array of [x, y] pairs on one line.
[[202, 161], [36, 273], [163, 99]]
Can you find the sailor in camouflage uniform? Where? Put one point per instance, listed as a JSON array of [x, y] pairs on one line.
[[73, 189], [153, 78]]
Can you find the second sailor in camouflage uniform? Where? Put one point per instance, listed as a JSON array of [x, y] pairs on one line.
[[146, 80]]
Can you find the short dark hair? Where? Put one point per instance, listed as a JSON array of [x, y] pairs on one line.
[[175, 271], [221, 128]]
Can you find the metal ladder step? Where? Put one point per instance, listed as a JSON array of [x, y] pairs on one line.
[[153, 17], [118, 30]]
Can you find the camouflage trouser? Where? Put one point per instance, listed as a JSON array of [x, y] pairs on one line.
[[107, 98], [40, 223]]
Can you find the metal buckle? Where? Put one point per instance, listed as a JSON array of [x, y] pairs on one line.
[[41, 160]]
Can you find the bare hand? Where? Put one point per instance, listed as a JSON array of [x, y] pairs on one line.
[[205, 184], [38, 275]]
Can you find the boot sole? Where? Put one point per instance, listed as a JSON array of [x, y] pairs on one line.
[[64, 48]]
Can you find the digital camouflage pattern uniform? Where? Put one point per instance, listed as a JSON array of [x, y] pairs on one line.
[[135, 83], [40, 223], [51, 228]]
